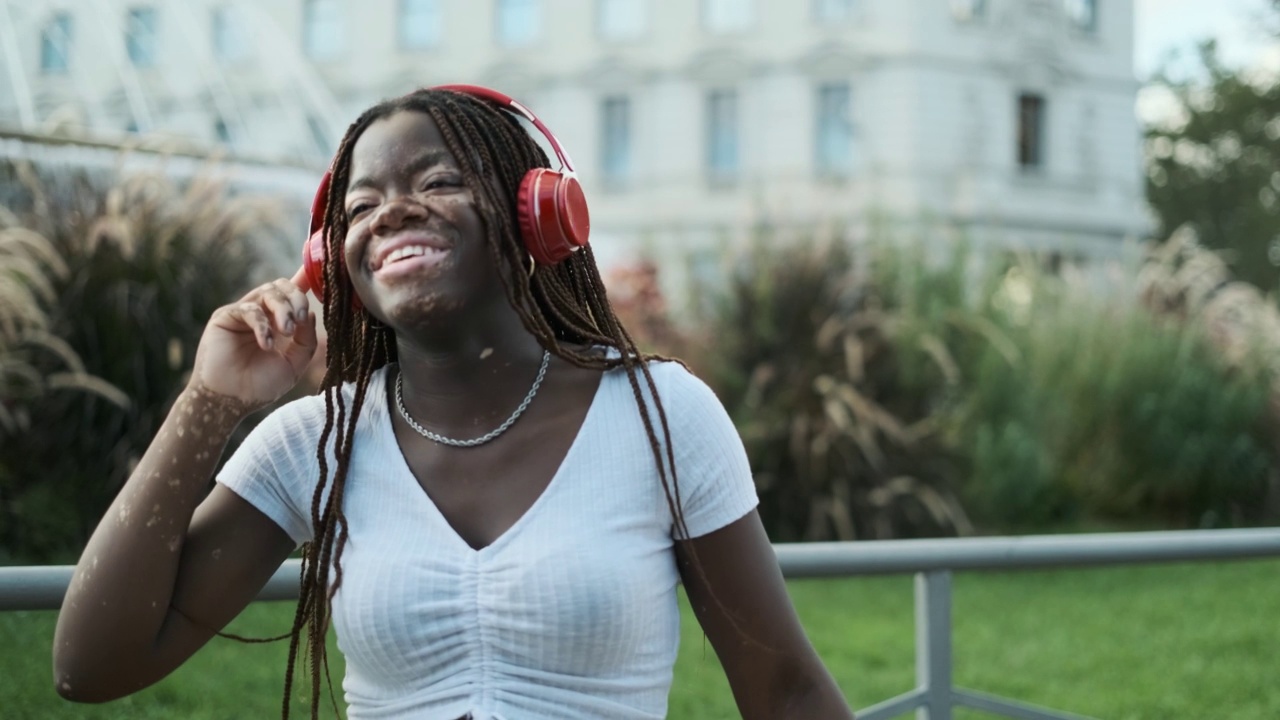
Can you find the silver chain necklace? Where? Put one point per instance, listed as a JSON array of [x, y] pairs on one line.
[[404, 413]]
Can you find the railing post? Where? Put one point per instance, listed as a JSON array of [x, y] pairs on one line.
[[933, 644]]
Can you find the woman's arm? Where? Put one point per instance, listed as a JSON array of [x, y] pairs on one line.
[[772, 668], [159, 576]]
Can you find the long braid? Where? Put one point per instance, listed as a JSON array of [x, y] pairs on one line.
[[563, 307], [343, 364]]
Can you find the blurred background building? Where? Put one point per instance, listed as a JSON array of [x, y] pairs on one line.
[[1009, 120]]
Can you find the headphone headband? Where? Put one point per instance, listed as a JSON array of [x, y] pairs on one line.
[[510, 103]]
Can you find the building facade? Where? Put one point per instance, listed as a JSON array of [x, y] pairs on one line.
[[1010, 121]]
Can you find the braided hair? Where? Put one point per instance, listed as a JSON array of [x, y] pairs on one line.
[[564, 306]]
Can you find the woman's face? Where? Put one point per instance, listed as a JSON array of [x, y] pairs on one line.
[[415, 247]]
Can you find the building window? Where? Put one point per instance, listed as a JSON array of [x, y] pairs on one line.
[[420, 24], [834, 138], [140, 36], [229, 41], [967, 10], [722, 137], [832, 10], [1030, 131], [728, 16], [321, 29], [1084, 13], [221, 131], [55, 44], [519, 21], [622, 19], [615, 136]]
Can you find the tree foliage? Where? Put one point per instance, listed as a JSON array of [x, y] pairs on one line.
[[1217, 166]]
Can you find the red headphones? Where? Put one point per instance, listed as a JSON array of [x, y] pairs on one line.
[[550, 205]]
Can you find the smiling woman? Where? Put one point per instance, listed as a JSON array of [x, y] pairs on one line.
[[506, 542]]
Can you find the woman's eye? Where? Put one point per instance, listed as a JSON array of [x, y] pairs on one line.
[[447, 181], [357, 210]]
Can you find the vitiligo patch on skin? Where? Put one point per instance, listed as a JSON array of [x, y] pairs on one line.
[[219, 408], [425, 305]]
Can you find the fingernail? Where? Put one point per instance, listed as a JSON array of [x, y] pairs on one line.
[[302, 314], [271, 343], [288, 327]]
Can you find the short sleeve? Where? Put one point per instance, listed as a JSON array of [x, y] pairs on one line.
[[275, 468], [716, 487]]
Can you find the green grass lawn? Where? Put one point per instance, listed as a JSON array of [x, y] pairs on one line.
[[1182, 641]]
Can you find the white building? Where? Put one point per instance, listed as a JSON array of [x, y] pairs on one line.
[[1011, 120]]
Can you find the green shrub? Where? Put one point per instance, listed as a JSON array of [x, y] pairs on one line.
[[833, 394], [1111, 414], [144, 263], [871, 394]]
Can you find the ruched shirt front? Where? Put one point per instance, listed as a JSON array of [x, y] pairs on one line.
[[570, 614]]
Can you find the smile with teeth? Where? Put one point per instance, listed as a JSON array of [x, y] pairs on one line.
[[409, 251]]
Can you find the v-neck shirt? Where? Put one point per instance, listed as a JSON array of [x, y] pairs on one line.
[[570, 614]]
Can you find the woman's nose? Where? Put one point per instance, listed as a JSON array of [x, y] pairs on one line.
[[395, 213]]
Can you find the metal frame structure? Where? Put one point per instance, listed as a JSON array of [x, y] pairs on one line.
[[932, 561], [300, 89]]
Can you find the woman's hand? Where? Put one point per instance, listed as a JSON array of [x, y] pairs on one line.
[[255, 349]]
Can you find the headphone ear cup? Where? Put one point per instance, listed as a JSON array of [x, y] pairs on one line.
[[552, 212], [313, 254], [313, 262]]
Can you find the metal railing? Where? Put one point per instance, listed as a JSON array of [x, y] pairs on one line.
[[932, 561]]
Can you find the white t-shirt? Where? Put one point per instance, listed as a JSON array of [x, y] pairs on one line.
[[570, 614]]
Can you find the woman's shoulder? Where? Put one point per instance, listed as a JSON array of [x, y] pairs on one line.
[[679, 388], [682, 390], [672, 370], [674, 376]]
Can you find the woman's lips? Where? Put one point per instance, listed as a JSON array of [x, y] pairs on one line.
[[411, 265]]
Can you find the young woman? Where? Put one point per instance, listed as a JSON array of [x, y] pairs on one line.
[[496, 493]]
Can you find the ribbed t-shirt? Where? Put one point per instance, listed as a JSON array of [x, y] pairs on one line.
[[570, 614]]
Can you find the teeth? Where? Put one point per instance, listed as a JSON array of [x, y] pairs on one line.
[[410, 251]]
